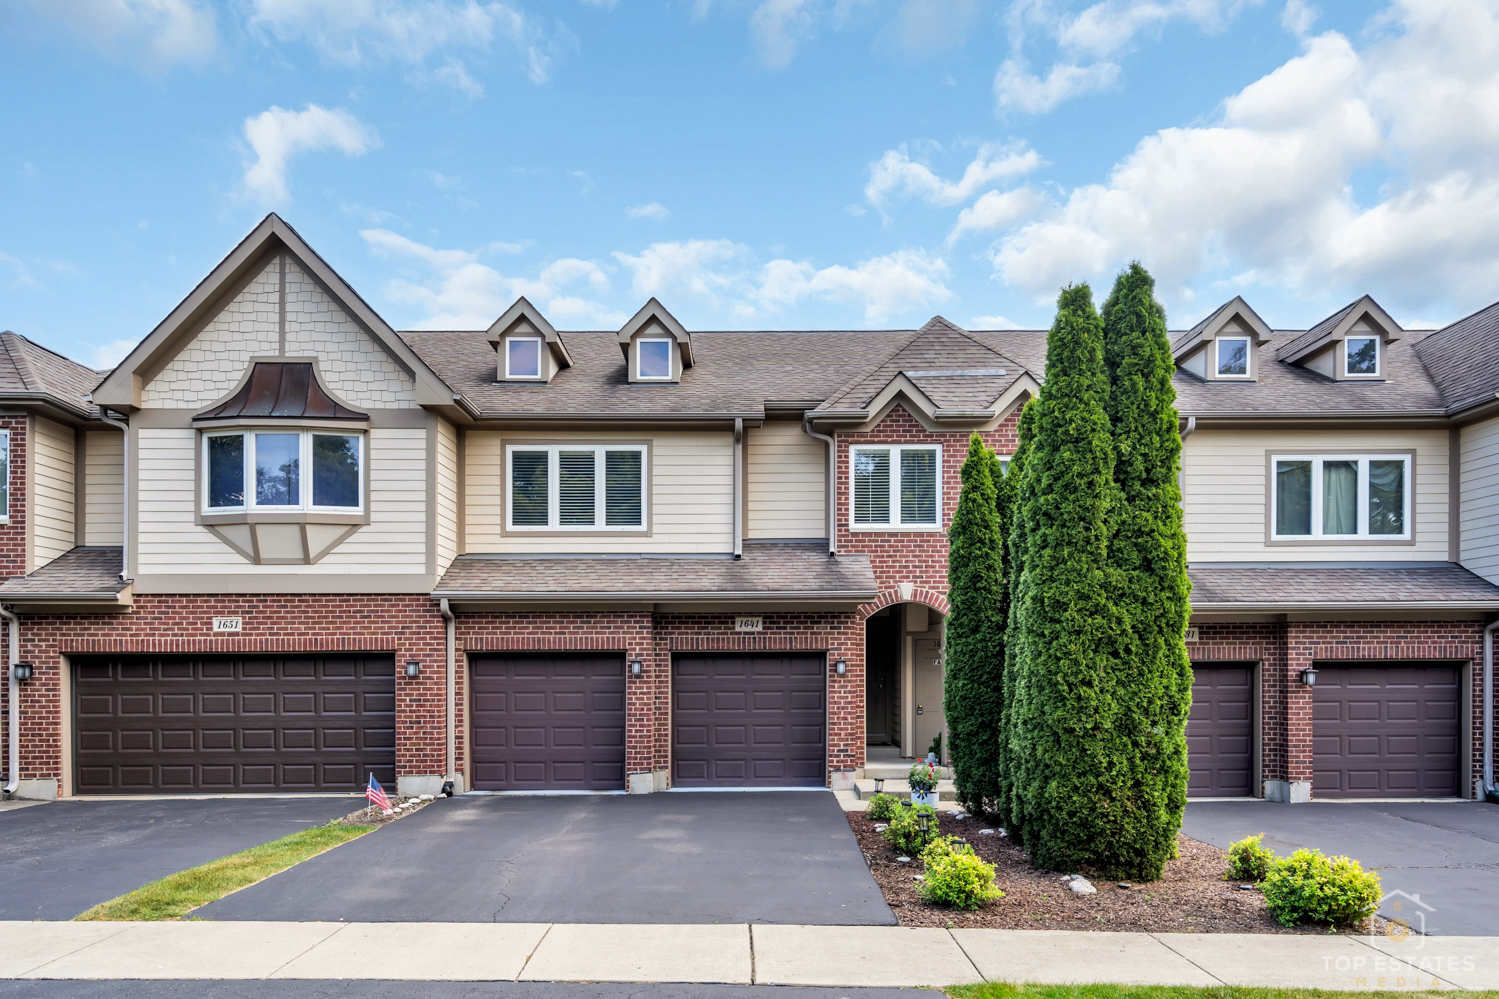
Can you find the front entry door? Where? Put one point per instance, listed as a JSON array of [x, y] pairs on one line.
[[930, 721]]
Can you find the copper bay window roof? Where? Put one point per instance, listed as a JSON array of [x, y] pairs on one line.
[[282, 389]]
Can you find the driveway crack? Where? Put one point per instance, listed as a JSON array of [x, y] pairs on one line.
[[508, 867]]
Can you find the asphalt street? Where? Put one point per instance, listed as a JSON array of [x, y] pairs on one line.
[[64, 857], [1445, 854], [726, 857]]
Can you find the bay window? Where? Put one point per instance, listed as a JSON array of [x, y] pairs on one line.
[[579, 487], [283, 471], [896, 487], [1341, 497]]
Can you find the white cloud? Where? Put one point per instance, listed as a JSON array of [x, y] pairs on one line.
[[1267, 194], [1016, 89], [443, 182], [356, 32], [277, 135], [992, 323], [460, 292], [155, 33], [997, 210], [1297, 17], [655, 211], [106, 356], [1105, 28], [778, 26], [896, 173], [21, 273], [694, 265], [884, 286]]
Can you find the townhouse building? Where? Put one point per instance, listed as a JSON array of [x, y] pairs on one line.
[[283, 546]]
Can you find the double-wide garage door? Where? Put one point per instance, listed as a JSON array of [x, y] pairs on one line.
[[152, 724]]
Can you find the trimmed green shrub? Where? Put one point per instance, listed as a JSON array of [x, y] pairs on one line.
[[881, 807], [1248, 860], [1307, 887], [960, 880], [973, 682], [904, 833], [1143, 788], [942, 847]]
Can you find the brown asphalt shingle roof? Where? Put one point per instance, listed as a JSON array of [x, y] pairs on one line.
[[29, 369], [1365, 584], [954, 370], [85, 569], [1463, 358], [1290, 347], [768, 568]]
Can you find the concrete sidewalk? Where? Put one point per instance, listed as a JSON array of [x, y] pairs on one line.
[[742, 954]]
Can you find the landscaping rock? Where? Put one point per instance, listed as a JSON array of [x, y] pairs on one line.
[[902, 860], [1081, 886], [986, 832]]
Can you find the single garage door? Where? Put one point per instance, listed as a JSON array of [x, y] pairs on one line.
[[150, 724], [749, 720], [548, 722], [1390, 730], [1220, 732]]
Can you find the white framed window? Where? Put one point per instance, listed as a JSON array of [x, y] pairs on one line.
[[1342, 496], [523, 357], [4, 476], [1232, 356], [576, 487], [896, 487], [1361, 356], [264, 470], [653, 358]]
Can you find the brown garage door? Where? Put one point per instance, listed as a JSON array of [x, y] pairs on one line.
[[1220, 734], [548, 722], [1386, 731], [149, 724], [749, 720]]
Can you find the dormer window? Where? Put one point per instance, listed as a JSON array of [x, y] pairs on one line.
[[1361, 356], [1233, 356], [653, 358], [523, 357]]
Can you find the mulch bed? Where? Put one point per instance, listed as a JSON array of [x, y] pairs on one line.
[[1191, 896], [372, 817]]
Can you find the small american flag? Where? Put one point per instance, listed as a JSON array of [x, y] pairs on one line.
[[376, 794]]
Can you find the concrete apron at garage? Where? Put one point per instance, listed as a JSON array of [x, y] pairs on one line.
[[725, 857]]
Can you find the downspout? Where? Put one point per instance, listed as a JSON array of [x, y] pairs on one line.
[[738, 487], [832, 500], [13, 648], [451, 624], [124, 491], [1490, 793], [1181, 469]]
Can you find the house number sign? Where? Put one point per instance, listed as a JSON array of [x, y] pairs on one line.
[[226, 625], [749, 624]]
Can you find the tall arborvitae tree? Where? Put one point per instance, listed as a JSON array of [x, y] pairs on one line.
[[1148, 554], [973, 693], [1070, 779], [1010, 490]]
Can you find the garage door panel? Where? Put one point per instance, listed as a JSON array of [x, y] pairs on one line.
[[748, 720], [1220, 736], [1386, 731], [139, 723], [548, 722]]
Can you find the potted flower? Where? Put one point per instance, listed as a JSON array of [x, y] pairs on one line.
[[923, 780]]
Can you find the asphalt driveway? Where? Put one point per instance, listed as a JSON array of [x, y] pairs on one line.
[[64, 857], [767, 857], [1447, 853]]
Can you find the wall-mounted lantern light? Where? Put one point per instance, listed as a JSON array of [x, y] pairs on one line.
[[21, 671], [840, 666], [413, 669], [1309, 676], [636, 667]]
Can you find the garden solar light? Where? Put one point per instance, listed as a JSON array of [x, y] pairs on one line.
[[21, 671], [840, 667], [879, 785], [1309, 676], [636, 667], [413, 668], [925, 821]]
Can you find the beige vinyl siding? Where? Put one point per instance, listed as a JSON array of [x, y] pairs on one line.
[[395, 540], [103, 483], [787, 483], [53, 496], [1478, 496], [447, 494], [1226, 499], [692, 495]]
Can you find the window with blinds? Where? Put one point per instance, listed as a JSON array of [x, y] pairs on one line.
[[896, 487], [576, 487]]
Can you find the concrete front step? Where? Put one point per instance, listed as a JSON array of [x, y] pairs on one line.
[[897, 771], [900, 789]]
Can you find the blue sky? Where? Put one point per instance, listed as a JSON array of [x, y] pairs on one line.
[[762, 164]]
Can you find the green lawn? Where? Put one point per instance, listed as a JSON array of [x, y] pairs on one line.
[[1005, 990], [177, 894]]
